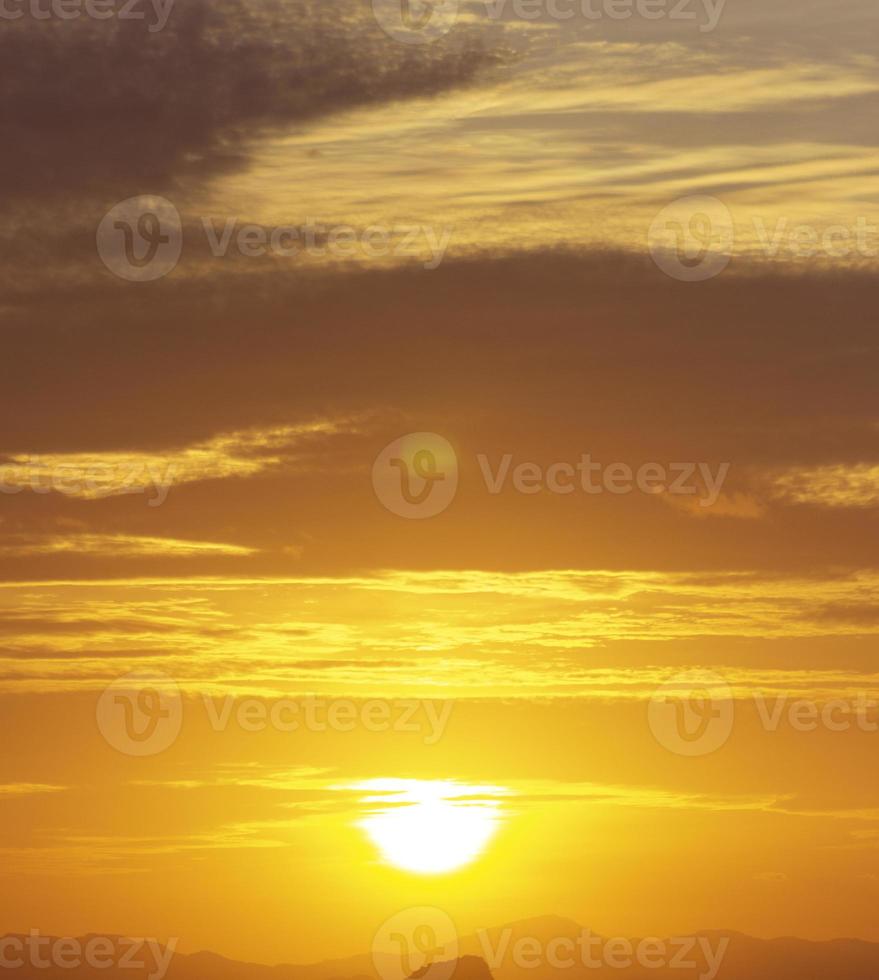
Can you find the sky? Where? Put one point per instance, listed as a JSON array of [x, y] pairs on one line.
[[478, 403]]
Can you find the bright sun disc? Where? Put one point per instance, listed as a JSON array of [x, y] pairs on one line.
[[430, 827]]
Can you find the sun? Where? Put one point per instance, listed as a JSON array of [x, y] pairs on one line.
[[430, 826]]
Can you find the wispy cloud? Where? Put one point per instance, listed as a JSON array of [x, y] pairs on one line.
[[28, 789], [836, 486], [99, 474], [452, 634], [115, 546]]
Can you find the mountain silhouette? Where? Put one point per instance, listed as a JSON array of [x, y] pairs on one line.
[[743, 957], [464, 968], [543, 948]]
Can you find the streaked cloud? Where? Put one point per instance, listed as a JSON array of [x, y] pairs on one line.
[[836, 486], [114, 546], [28, 789], [740, 505], [99, 474], [473, 634]]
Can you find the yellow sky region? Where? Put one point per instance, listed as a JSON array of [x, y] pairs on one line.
[[324, 874], [461, 634], [245, 706], [513, 772]]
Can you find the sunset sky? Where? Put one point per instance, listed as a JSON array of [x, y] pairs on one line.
[[190, 468]]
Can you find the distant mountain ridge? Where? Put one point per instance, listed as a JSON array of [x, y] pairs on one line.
[[547, 948]]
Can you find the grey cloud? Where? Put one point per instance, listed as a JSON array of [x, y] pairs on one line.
[[108, 104]]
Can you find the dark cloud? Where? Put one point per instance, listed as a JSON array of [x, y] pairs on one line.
[[544, 356], [109, 105]]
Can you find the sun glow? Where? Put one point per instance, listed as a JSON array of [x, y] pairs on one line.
[[430, 827]]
